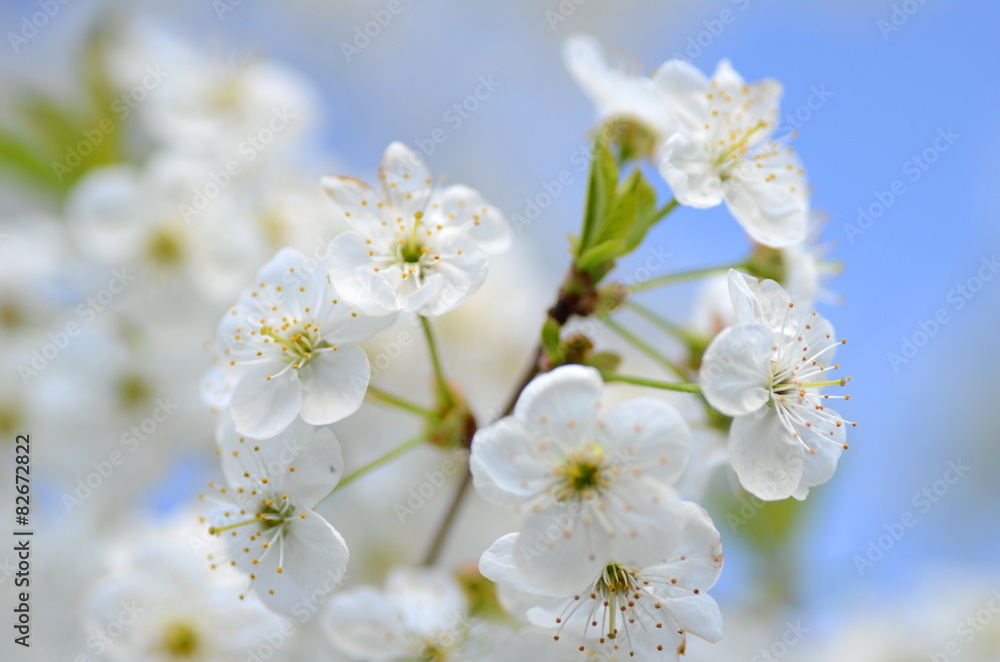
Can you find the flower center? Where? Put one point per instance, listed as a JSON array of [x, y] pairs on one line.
[[581, 475], [617, 588], [133, 391], [180, 640], [298, 342], [165, 248]]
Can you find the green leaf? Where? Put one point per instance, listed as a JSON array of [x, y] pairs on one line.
[[596, 261], [551, 340], [600, 194], [23, 159]]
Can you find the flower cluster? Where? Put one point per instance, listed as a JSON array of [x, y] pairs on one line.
[[588, 490]]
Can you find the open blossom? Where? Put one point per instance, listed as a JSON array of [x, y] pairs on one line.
[[726, 152], [714, 138], [422, 614], [624, 610], [291, 554], [288, 349], [592, 485], [411, 247], [768, 371]]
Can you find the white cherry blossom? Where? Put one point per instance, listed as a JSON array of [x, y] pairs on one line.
[[623, 610], [726, 152], [287, 346], [265, 515], [768, 371], [591, 485], [411, 246]]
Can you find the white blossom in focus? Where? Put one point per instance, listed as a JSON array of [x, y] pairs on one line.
[[591, 485], [624, 610], [768, 372], [411, 246], [287, 346], [292, 555]]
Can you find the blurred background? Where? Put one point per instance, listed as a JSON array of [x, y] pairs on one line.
[[894, 104]]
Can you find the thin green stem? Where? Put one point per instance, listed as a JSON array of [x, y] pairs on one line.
[[665, 210], [652, 383], [659, 321], [445, 393], [646, 348], [441, 535], [682, 276], [375, 464], [384, 398]]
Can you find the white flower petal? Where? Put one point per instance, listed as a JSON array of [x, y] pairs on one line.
[[820, 466], [462, 207], [406, 181], [769, 196], [736, 369], [510, 463], [262, 407], [616, 94], [497, 564], [430, 599], [649, 521], [313, 559], [355, 200], [767, 459], [334, 384], [558, 552], [761, 302], [365, 624], [648, 435], [353, 275], [697, 560], [689, 169], [562, 403], [685, 88]]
